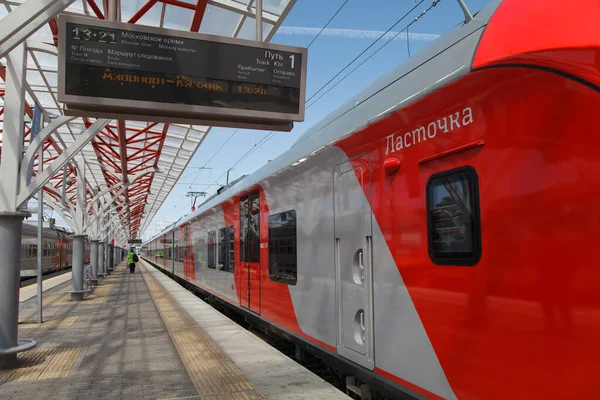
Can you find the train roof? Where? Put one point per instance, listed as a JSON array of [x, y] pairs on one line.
[[447, 59]]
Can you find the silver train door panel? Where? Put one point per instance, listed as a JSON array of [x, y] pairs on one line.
[[353, 253]]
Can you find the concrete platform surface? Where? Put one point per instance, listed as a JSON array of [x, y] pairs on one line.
[[30, 291], [143, 336], [113, 345], [274, 374]]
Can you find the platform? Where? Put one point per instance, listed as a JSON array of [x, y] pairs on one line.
[[143, 336], [29, 292]]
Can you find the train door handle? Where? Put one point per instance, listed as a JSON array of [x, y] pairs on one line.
[[361, 265], [362, 325]]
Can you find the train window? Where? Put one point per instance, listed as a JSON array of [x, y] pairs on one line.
[[226, 254], [453, 224], [283, 258], [212, 249]]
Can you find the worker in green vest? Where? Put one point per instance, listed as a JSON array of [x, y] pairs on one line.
[[132, 258]]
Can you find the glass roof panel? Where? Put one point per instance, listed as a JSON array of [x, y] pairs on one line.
[[248, 30], [178, 18], [218, 21], [130, 7]]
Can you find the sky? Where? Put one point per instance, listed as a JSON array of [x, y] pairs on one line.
[[357, 26]]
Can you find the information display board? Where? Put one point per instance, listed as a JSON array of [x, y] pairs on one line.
[[108, 67]]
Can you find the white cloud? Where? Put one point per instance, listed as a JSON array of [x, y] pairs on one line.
[[354, 33]]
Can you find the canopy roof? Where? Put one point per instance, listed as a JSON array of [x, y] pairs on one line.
[[125, 148]]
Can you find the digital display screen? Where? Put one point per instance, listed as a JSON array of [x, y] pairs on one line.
[[137, 65], [83, 80]]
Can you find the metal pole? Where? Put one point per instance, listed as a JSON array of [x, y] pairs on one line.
[[40, 233], [100, 261], [259, 36], [11, 219], [112, 10], [468, 15], [111, 257], [11, 225], [94, 261], [115, 255], [77, 291]]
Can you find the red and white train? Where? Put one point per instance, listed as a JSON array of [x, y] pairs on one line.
[[57, 250], [436, 234]]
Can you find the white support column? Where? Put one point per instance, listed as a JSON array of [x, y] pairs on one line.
[[77, 290], [94, 261], [11, 219], [12, 139], [23, 21], [80, 214]]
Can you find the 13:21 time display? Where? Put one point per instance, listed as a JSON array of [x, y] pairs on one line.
[[94, 35]]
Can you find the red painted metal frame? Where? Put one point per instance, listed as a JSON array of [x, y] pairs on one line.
[[133, 159], [121, 151]]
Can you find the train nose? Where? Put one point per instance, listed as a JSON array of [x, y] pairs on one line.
[[544, 35]]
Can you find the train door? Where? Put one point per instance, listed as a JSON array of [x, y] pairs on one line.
[[353, 254], [250, 250], [188, 260], [171, 246]]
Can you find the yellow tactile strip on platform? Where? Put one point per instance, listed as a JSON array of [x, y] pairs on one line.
[[213, 374], [52, 322], [42, 363], [100, 295]]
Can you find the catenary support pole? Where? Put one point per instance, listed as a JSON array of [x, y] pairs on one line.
[[466, 12], [11, 224], [40, 247], [94, 261], [77, 291]]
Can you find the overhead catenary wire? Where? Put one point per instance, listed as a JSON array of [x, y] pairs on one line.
[[272, 134], [262, 140], [310, 44], [327, 24], [406, 28], [366, 49]]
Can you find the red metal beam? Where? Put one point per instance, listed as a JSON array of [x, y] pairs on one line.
[[141, 131], [96, 9], [198, 15], [145, 8], [54, 28], [179, 4]]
